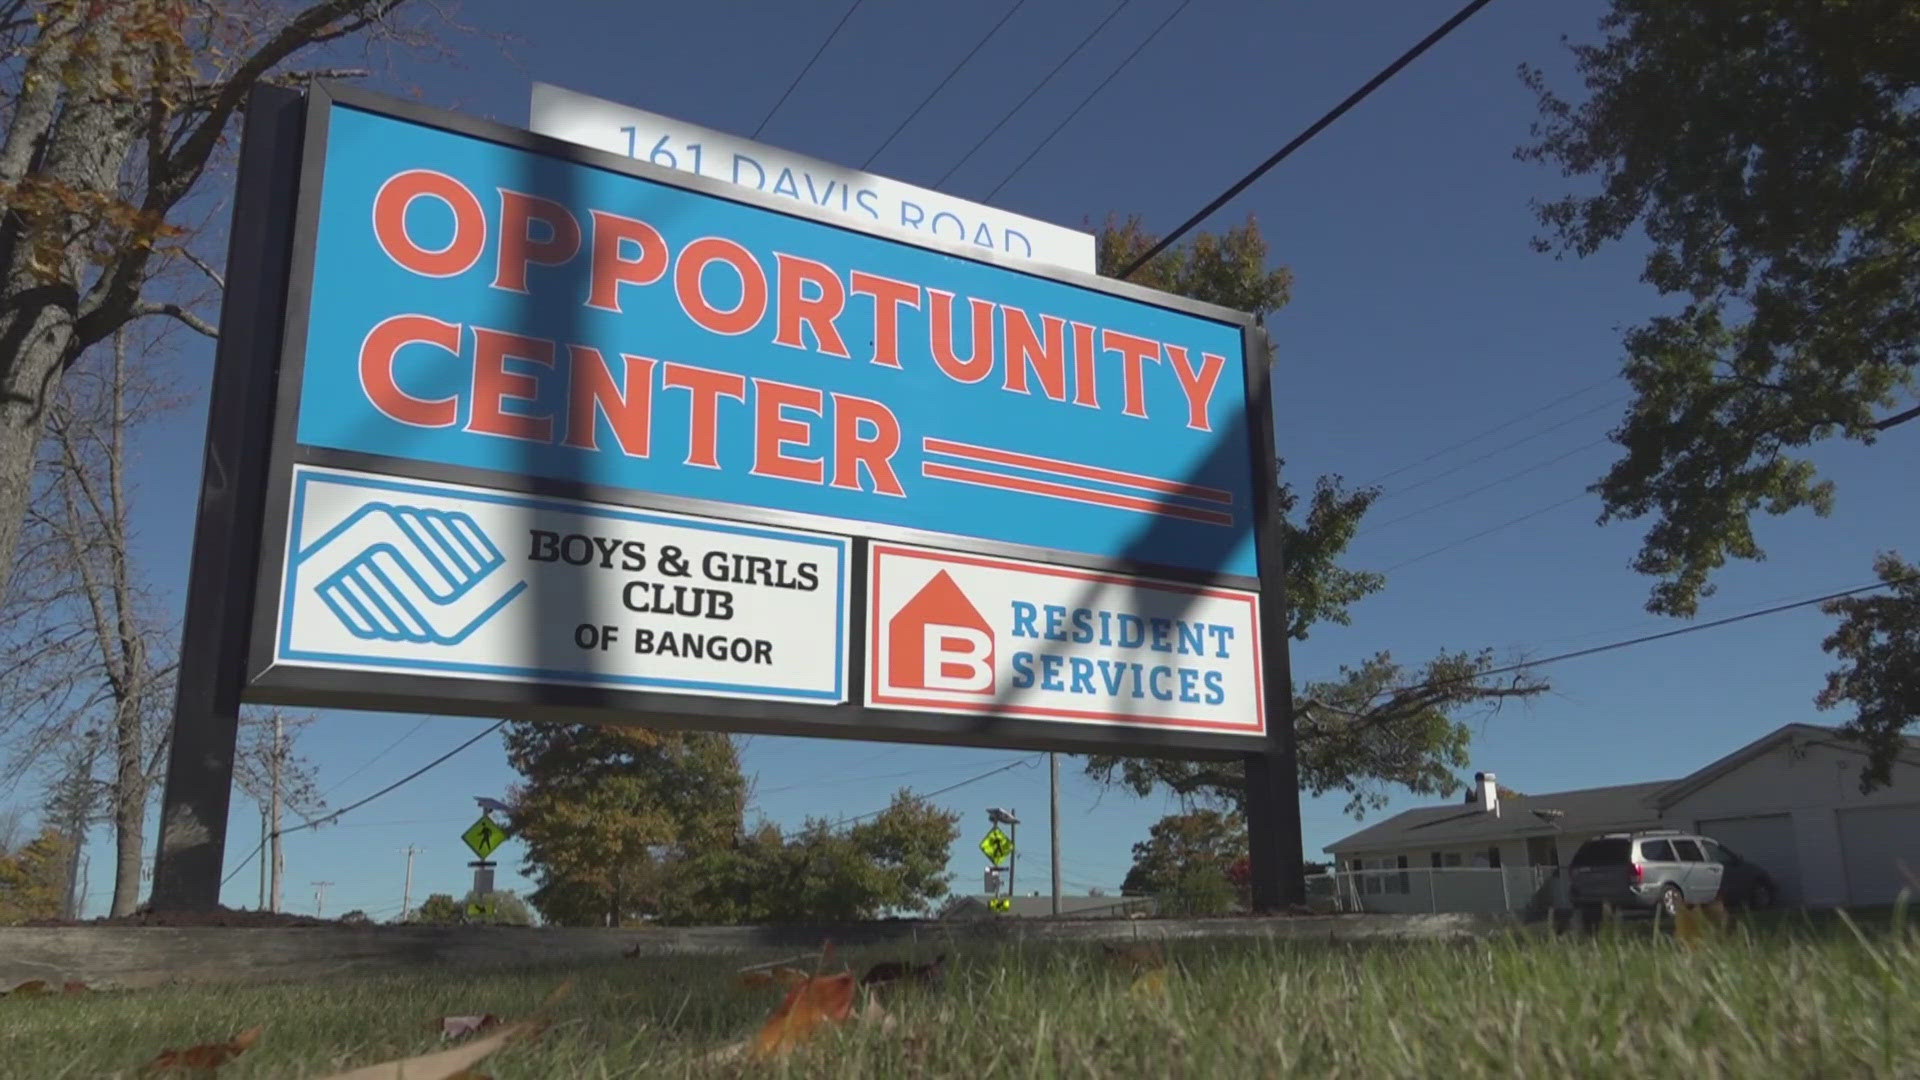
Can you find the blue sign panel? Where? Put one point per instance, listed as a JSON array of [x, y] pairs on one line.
[[477, 305]]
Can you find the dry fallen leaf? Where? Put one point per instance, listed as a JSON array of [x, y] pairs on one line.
[[822, 1000], [782, 976], [1152, 984], [454, 1027], [439, 1065], [206, 1056]]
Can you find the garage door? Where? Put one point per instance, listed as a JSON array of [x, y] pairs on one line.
[[1765, 839], [1875, 841]]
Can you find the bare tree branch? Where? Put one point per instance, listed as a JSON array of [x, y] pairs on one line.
[[175, 311]]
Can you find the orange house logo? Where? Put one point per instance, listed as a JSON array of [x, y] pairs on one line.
[[938, 641]]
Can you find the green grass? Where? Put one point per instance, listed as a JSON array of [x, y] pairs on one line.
[[1782, 1000]]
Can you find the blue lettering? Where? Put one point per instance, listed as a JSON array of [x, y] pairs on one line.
[[759, 174], [1189, 679], [1216, 688], [1162, 628], [1056, 616], [983, 236], [1139, 689], [1193, 638], [785, 185], [959, 227], [1114, 674], [1221, 635], [1154, 680], [1082, 675], [1012, 236], [1023, 614], [1082, 626], [817, 197], [869, 201], [1023, 670], [1050, 672], [918, 214], [1137, 625]]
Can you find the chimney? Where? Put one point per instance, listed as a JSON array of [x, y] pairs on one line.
[[1489, 792]]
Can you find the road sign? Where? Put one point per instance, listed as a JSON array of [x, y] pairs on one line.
[[484, 836], [479, 910], [996, 845], [1000, 903]]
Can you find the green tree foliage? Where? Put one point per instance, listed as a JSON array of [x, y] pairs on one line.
[[1380, 723], [892, 863], [33, 879], [501, 909], [439, 909], [1188, 862], [602, 807], [1879, 640], [1770, 150]]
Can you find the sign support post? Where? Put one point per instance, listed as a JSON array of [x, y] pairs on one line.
[[214, 636], [1272, 776]]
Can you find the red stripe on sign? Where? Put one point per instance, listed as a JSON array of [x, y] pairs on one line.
[[989, 455], [1071, 493]]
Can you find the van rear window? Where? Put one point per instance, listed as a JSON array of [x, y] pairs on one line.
[[1608, 852]]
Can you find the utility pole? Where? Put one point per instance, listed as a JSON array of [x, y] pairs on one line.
[[406, 896], [320, 896], [1053, 795], [265, 859], [273, 803]]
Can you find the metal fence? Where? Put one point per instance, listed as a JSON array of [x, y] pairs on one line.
[[1424, 889]]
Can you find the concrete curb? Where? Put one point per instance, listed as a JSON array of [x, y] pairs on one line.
[[139, 957]]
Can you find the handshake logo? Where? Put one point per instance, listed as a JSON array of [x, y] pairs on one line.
[[403, 573]]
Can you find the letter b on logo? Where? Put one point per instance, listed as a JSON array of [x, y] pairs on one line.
[[957, 658], [938, 641]]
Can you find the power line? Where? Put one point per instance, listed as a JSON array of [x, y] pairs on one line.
[[1301, 139], [791, 87], [1029, 759], [935, 92], [1490, 485], [338, 784], [1057, 68], [1495, 430], [950, 767], [1509, 523], [1090, 96], [326, 818], [1504, 447]]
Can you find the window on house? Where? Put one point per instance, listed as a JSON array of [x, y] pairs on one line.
[[1542, 851], [1436, 860], [1493, 857], [1405, 879], [1688, 851], [1453, 858]]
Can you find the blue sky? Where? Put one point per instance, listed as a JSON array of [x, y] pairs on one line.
[[1420, 318]]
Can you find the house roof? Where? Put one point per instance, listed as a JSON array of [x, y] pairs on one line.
[[1583, 811], [1587, 810]]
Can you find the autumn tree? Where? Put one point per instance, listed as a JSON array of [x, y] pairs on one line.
[[894, 862], [1379, 723], [602, 806], [31, 879], [1187, 861], [1879, 640], [438, 909], [114, 114], [1770, 151]]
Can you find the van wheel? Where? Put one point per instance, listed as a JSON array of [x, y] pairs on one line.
[[1760, 897], [1671, 901]]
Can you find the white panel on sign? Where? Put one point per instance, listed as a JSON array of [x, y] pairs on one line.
[[971, 634], [431, 579], [913, 213]]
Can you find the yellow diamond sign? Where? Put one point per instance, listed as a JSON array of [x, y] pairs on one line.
[[478, 910], [484, 836], [996, 846], [1000, 903]]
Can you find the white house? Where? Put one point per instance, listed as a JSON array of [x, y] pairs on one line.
[[1789, 801]]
